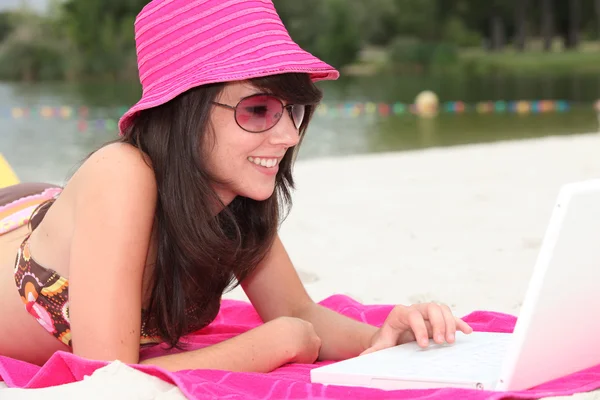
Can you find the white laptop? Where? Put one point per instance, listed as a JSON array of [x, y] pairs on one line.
[[556, 334]]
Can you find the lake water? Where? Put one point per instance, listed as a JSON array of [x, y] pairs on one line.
[[50, 138]]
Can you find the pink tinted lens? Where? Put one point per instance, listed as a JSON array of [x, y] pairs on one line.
[[259, 113], [298, 111]]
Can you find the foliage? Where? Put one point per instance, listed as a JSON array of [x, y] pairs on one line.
[[6, 24], [390, 18], [423, 55], [533, 62], [456, 31], [94, 39], [328, 29], [33, 50], [102, 32], [340, 40]]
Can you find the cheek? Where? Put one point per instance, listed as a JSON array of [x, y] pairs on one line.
[[229, 156], [239, 145], [222, 153], [232, 147]]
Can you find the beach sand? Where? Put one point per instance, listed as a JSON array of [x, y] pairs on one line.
[[458, 225]]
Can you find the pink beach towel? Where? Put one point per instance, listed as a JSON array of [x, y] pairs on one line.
[[291, 381]]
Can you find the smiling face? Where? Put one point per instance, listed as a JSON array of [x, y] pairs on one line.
[[246, 163]]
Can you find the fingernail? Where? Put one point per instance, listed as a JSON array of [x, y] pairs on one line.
[[440, 337], [451, 337]]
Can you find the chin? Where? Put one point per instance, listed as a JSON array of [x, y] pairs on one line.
[[259, 195]]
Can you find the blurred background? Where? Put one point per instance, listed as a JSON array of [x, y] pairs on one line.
[[498, 70]]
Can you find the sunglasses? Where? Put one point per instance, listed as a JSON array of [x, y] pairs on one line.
[[260, 112]]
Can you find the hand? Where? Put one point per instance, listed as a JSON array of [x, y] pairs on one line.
[[305, 344], [417, 322]]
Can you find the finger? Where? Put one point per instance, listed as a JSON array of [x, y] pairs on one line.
[[408, 335], [397, 320], [450, 322], [394, 326], [463, 326], [374, 348], [367, 351], [417, 325], [438, 322]]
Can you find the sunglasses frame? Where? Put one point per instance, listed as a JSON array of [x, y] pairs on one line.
[[283, 108]]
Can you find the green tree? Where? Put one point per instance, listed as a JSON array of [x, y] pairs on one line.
[[304, 20], [33, 50], [573, 30], [329, 29], [597, 14], [493, 19], [455, 31], [521, 12], [387, 19], [340, 41], [6, 26], [102, 33], [548, 24]]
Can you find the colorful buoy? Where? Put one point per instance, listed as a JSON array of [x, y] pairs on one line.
[[65, 112], [500, 106], [371, 108], [484, 107], [399, 108], [562, 106], [427, 104], [523, 107], [17, 112], [47, 112], [384, 110]]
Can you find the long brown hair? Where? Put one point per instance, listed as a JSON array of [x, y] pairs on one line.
[[201, 255]]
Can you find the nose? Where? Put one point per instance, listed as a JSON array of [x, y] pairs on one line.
[[284, 132]]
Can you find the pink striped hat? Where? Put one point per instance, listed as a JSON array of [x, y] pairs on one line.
[[182, 44]]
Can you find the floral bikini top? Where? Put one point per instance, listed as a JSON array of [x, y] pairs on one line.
[[46, 297]]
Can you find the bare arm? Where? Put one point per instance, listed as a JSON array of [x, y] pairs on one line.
[[276, 290], [342, 337], [262, 349], [114, 211]]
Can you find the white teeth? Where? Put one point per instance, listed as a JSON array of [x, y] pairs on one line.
[[267, 163]]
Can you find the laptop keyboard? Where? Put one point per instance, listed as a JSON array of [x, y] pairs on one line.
[[484, 355], [474, 359]]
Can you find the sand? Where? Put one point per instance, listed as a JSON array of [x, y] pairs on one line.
[[459, 225]]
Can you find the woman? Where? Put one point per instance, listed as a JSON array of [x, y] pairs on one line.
[[142, 241]]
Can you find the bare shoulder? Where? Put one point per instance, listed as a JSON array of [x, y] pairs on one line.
[[117, 160], [120, 168]]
